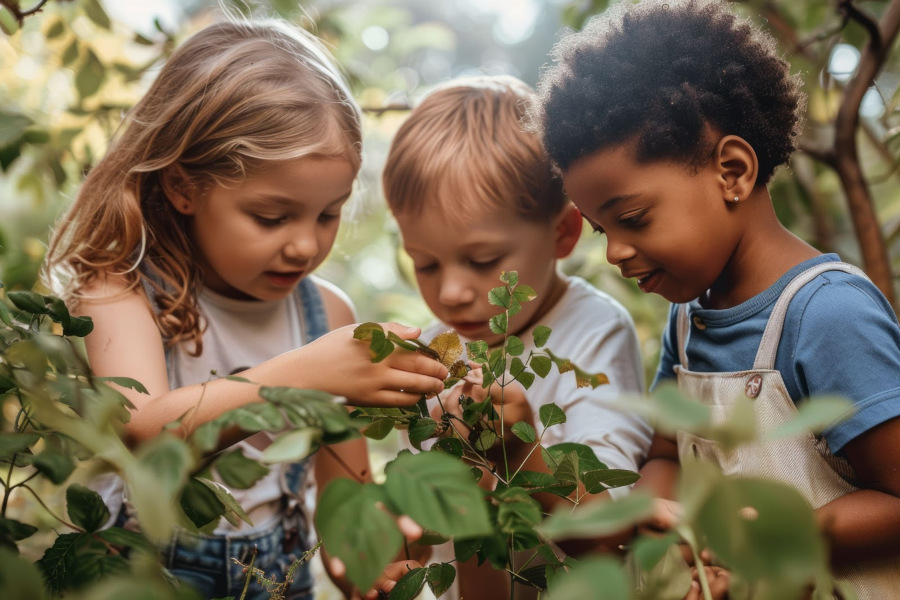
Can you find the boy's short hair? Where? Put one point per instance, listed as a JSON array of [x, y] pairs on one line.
[[664, 74], [464, 148]]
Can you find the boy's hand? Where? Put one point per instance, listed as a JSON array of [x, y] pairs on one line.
[[718, 579], [339, 364], [666, 515]]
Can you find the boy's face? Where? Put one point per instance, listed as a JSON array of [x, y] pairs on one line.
[[665, 225], [457, 262]]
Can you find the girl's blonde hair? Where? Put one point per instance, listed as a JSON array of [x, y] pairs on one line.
[[233, 96]]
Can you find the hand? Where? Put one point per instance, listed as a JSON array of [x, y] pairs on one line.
[[666, 515], [341, 365], [718, 579]]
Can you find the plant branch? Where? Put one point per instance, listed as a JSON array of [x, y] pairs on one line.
[[18, 13], [343, 464], [52, 514]]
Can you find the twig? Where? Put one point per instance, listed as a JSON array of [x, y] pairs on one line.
[[52, 514], [343, 464], [20, 14]]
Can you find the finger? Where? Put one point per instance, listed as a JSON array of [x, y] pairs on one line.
[[387, 398], [404, 331], [718, 581], [693, 592], [336, 566], [415, 362], [411, 530]]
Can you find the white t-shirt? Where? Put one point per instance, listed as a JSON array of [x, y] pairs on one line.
[[596, 333]]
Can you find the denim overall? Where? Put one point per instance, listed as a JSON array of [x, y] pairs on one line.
[[802, 461], [205, 561]]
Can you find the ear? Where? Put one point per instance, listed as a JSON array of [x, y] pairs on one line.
[[177, 187], [569, 225], [738, 168]]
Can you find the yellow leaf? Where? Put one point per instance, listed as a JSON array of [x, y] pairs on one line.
[[448, 346]]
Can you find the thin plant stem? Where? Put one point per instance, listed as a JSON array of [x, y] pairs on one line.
[[7, 489], [701, 574], [343, 464], [253, 554], [52, 514]]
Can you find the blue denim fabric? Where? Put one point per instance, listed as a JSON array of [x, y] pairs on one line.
[[205, 563]]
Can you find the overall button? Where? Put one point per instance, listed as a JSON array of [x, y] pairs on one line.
[[698, 323], [754, 383]]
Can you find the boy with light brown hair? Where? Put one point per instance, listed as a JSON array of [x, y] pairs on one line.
[[475, 195]]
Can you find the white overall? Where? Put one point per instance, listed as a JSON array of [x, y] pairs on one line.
[[802, 461]]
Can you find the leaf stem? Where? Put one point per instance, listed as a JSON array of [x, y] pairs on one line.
[[52, 514], [343, 464]]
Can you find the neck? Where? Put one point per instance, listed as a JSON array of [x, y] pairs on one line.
[[765, 252]]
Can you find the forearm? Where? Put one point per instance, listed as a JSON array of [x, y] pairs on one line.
[[658, 477], [861, 525]]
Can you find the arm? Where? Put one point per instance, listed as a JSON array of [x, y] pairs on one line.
[[865, 524], [126, 342]]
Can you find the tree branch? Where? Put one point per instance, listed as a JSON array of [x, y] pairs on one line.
[[13, 7], [859, 199]]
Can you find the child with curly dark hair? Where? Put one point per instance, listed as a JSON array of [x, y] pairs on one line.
[[667, 120]]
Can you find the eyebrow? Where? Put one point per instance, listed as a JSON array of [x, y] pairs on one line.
[[609, 204], [290, 202]]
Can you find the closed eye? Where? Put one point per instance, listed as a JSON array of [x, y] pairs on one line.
[[484, 265], [633, 220], [329, 217], [270, 221]]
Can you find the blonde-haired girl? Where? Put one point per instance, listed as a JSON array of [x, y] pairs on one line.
[[190, 245]]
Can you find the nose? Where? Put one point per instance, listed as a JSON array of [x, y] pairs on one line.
[[617, 250], [455, 289], [302, 244]]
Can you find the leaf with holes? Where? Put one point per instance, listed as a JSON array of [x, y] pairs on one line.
[[448, 347]]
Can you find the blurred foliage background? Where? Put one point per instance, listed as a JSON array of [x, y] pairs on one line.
[[70, 70]]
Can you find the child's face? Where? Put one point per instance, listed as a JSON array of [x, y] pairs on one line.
[[458, 262], [258, 238], [665, 225]]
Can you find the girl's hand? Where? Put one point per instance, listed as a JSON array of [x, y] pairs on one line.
[[339, 364], [666, 515]]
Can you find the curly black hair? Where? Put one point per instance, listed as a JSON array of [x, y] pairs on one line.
[[665, 72]]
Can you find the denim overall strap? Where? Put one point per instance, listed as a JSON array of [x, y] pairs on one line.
[[682, 329], [312, 312], [768, 346], [314, 322]]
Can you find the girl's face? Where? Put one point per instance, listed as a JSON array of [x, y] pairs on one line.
[[259, 237], [667, 227]]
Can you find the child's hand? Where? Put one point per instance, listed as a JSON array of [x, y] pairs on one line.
[[718, 579], [341, 365], [666, 515]]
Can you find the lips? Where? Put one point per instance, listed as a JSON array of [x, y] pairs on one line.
[[467, 327], [647, 281], [284, 279]]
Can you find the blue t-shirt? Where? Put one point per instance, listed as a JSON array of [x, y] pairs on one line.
[[840, 337]]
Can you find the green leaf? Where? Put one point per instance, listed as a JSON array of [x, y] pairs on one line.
[[437, 491], [486, 440], [763, 529], [56, 466], [510, 278], [90, 75], [14, 443], [56, 29], [451, 446], [200, 503], [293, 445], [60, 558], [238, 471], [96, 13], [600, 518], [125, 382], [590, 575], [356, 530], [813, 415], [409, 585], [541, 334], [79, 326], [421, 430], [367, 331], [514, 346], [439, 577], [86, 508], [70, 55], [587, 460], [478, 351], [20, 579], [8, 23], [168, 461], [499, 296], [232, 508], [399, 341], [13, 530], [597, 480], [378, 429], [126, 538], [526, 378], [524, 293], [541, 365], [525, 432], [28, 301], [551, 414]]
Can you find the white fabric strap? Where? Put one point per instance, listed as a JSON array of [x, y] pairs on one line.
[[682, 328], [768, 346]]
